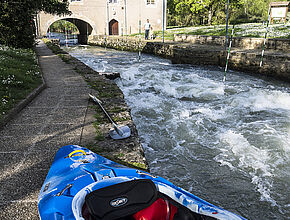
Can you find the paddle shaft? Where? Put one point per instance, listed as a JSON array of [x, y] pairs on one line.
[[103, 109], [107, 114]]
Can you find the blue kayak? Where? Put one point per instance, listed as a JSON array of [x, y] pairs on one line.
[[83, 185]]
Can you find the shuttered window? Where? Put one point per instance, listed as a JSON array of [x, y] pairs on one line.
[[150, 2]]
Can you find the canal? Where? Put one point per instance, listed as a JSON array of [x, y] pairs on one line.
[[228, 143]]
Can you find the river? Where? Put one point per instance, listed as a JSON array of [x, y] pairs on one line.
[[228, 143]]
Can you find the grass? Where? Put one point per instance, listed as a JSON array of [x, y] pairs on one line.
[[64, 57], [53, 46], [99, 120], [241, 30], [19, 76]]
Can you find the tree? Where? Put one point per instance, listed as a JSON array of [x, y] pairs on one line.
[[189, 12], [210, 8], [17, 19], [60, 26]]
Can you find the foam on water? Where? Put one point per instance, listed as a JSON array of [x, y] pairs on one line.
[[129, 74], [258, 99], [239, 153], [210, 113]]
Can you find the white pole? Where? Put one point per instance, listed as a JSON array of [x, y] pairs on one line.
[[125, 1], [227, 25], [122, 34], [263, 49], [87, 33], [228, 57], [105, 39], [163, 9], [108, 23], [139, 53], [65, 35]]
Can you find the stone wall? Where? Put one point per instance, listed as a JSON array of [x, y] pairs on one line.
[[132, 44], [238, 42], [116, 42], [275, 64]]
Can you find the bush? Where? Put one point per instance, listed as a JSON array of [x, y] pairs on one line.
[[20, 74], [17, 27]]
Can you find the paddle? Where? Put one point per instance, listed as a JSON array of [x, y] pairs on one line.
[[116, 132]]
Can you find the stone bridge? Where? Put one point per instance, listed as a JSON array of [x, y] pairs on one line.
[[111, 17]]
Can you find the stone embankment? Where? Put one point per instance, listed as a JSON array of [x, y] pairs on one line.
[[127, 151], [209, 50]]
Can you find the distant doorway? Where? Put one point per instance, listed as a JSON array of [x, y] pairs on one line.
[[114, 27]]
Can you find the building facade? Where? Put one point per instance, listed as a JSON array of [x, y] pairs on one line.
[[113, 17]]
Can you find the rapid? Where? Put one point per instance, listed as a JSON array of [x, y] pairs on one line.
[[228, 143]]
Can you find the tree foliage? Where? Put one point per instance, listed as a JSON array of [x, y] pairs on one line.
[[200, 12], [61, 25], [17, 25]]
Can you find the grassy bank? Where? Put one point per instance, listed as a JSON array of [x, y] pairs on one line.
[[19, 76], [241, 30]]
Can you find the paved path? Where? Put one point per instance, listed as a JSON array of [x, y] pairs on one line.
[[28, 143]]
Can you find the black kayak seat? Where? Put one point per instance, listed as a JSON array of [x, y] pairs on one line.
[[121, 200]]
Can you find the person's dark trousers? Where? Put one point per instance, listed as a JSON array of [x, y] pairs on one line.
[[146, 34]]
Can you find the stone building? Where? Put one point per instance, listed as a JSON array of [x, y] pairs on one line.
[[113, 17]]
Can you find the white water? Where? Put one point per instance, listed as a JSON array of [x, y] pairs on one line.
[[227, 143]]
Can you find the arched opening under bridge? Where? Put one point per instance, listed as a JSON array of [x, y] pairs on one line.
[[77, 27]]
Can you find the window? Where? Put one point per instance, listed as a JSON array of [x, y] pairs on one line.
[[113, 1], [150, 2]]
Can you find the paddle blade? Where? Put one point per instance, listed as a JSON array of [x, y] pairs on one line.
[[123, 132]]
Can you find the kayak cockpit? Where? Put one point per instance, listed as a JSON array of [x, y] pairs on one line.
[[82, 185], [136, 199]]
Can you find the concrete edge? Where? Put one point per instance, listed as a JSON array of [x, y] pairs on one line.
[[23, 103]]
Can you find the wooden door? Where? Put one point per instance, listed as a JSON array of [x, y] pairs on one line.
[[114, 27]]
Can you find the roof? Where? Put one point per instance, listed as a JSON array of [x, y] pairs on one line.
[[279, 4]]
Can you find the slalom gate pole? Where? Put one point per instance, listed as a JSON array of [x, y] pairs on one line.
[[139, 48], [125, 2], [87, 33], [263, 49], [163, 15], [105, 38], [65, 28], [227, 24], [228, 57], [107, 26], [122, 39]]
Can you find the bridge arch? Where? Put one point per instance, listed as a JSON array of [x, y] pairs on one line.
[[85, 26]]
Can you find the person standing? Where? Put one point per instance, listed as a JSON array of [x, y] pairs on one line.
[[147, 28]]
